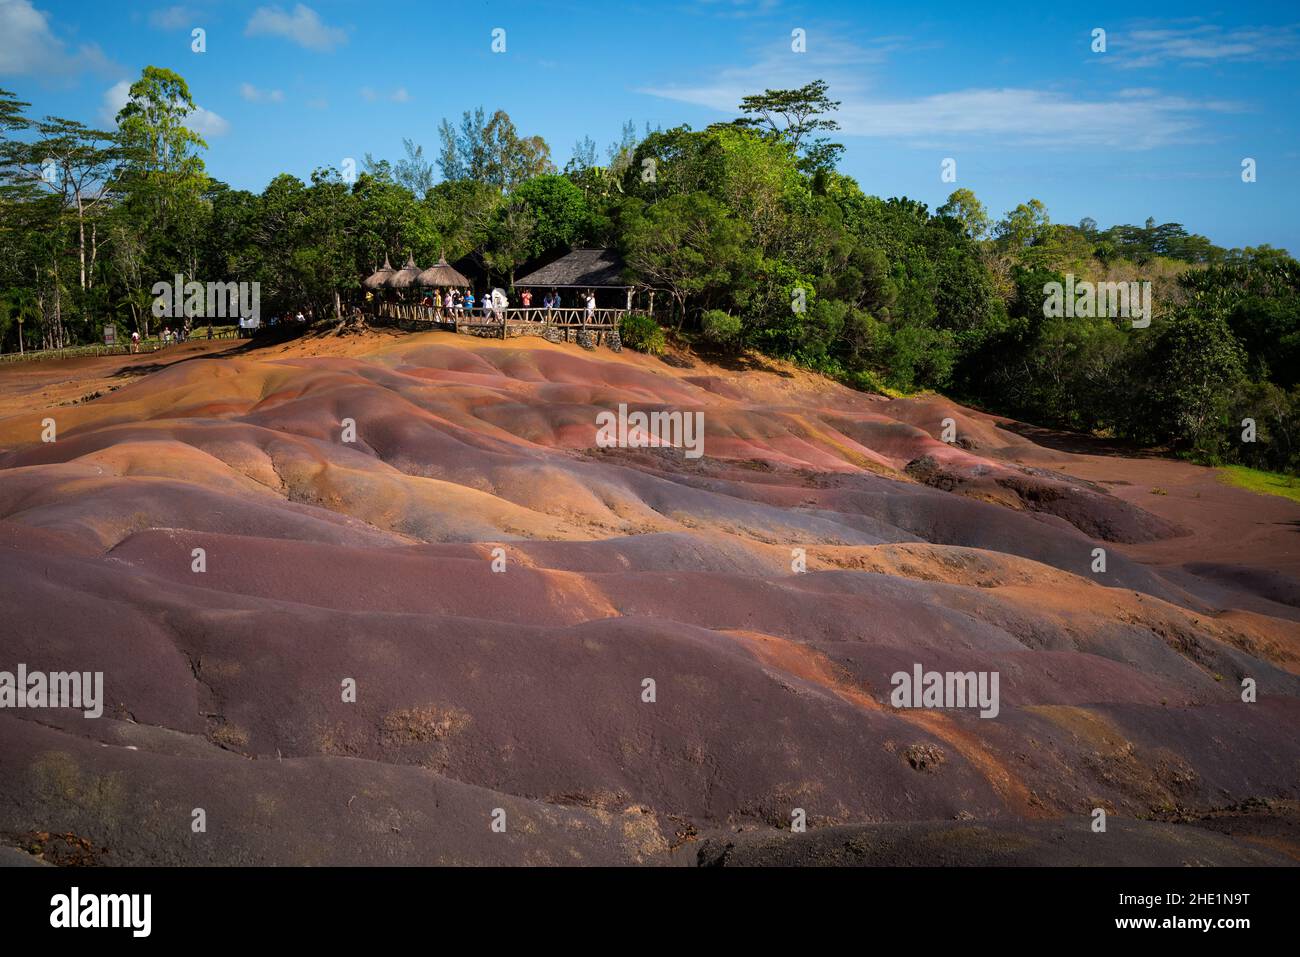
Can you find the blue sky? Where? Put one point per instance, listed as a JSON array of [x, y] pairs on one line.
[[1157, 125]]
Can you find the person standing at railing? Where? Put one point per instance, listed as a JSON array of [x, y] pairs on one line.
[[526, 297], [591, 306]]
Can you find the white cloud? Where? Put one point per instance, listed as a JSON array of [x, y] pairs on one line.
[[1030, 118], [371, 95], [841, 63], [28, 45], [254, 95], [738, 8], [115, 98], [303, 26], [206, 123], [201, 120], [172, 18], [1136, 118], [1201, 45]]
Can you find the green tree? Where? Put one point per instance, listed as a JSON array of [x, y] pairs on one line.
[[559, 211], [795, 116], [966, 208], [685, 246]]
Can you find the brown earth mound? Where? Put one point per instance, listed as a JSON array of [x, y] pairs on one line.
[[565, 654]]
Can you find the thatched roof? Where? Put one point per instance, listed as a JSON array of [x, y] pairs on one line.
[[376, 279], [406, 277], [443, 273], [584, 268]]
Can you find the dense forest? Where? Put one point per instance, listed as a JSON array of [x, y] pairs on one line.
[[746, 231]]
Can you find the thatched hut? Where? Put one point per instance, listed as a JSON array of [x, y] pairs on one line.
[[599, 271], [442, 275], [404, 278], [375, 281]]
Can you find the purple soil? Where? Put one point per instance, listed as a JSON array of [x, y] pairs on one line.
[[522, 690]]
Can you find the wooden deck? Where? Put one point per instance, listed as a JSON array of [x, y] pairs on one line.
[[589, 329]]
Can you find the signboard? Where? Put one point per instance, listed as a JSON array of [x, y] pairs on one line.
[[110, 335]]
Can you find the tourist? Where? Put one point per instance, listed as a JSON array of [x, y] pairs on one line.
[[526, 297], [469, 302], [591, 306], [437, 303], [135, 342]]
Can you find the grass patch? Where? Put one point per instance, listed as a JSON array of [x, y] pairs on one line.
[[1265, 483]]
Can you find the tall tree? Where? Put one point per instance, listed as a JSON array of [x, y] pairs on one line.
[[490, 150], [79, 165], [685, 245], [414, 172], [796, 116], [966, 208]]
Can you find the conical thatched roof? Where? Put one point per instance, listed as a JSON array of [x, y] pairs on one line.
[[376, 279], [443, 273], [406, 277]]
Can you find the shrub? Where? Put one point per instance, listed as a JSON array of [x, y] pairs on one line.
[[640, 332], [721, 328], [864, 380]]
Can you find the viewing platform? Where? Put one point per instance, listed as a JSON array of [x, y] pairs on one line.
[[564, 324]]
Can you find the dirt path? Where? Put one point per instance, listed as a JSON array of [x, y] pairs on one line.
[[54, 382]]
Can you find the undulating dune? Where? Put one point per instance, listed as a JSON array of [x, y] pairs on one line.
[[500, 589]]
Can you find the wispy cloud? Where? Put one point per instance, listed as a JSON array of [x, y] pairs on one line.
[[840, 62], [29, 46], [173, 18], [1137, 118], [1027, 117], [737, 8], [399, 95], [1201, 45], [255, 95], [303, 26]]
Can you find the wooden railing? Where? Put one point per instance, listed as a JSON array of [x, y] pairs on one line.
[[566, 318], [412, 312]]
